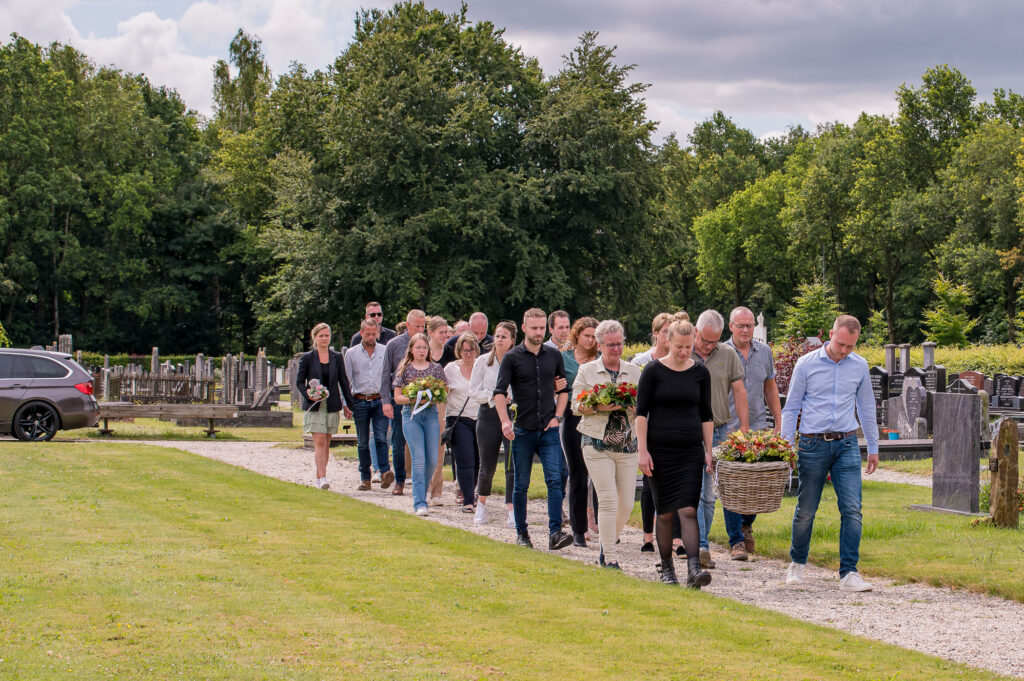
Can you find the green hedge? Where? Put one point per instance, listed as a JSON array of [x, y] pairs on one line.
[[96, 359], [988, 359]]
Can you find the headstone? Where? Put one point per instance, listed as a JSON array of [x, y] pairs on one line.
[[935, 378], [64, 343], [896, 383], [975, 378], [921, 429], [904, 362], [890, 358], [913, 397], [880, 387], [928, 348], [916, 372], [1003, 462], [959, 386], [1006, 392], [154, 361], [990, 386], [957, 452], [896, 416]]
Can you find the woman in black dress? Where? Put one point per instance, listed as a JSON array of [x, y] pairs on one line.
[[674, 428]]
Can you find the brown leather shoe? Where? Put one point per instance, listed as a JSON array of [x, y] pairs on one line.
[[399, 489], [738, 551], [387, 479], [705, 560], [748, 538], [364, 486]]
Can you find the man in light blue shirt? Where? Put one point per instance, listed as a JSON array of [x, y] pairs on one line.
[[829, 391]]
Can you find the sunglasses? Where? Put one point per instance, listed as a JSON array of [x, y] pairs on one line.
[[374, 314]]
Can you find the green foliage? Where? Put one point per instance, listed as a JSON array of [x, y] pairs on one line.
[[876, 331], [947, 321], [5, 341], [813, 312]]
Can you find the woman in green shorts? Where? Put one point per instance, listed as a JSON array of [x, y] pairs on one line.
[[322, 367]]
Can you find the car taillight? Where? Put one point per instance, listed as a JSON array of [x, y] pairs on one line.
[[84, 388]]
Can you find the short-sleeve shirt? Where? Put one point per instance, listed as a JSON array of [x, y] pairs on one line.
[[411, 374], [725, 367], [758, 367]]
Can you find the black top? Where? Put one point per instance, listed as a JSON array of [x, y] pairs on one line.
[[532, 378], [675, 403], [386, 334], [485, 345], [335, 379], [447, 356]]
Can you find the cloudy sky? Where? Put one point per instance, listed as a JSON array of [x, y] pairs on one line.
[[768, 64]]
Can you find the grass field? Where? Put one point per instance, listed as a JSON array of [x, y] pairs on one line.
[[135, 562]]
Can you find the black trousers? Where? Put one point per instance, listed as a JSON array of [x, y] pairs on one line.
[[578, 474]]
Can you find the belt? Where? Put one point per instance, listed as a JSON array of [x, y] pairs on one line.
[[367, 398], [828, 437]]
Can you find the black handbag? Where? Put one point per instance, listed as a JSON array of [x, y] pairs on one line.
[[448, 433]]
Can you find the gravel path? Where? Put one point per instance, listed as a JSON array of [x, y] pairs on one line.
[[954, 625]]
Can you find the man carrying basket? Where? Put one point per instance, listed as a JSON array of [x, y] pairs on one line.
[[827, 386]]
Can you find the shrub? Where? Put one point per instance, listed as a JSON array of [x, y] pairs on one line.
[[812, 313], [947, 322]]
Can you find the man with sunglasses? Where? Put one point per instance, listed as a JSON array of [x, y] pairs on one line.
[[375, 312], [726, 371]]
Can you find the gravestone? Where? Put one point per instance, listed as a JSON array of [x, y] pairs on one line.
[[916, 372], [959, 386], [989, 387], [906, 410], [896, 383], [1004, 464], [890, 358], [913, 397], [1006, 392], [154, 361], [880, 387], [928, 349], [896, 416], [957, 452], [975, 378], [904, 360], [935, 378]]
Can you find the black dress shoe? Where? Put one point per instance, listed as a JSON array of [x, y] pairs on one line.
[[695, 576], [612, 565], [579, 540], [523, 539], [680, 550], [648, 547], [559, 540]]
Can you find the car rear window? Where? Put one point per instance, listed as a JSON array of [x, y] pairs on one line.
[[47, 368]]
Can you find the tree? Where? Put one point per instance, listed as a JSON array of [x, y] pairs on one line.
[[239, 97], [947, 321], [813, 312]]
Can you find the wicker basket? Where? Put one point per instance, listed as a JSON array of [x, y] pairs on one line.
[[750, 488]]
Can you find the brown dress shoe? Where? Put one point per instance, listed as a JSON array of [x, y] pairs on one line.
[[738, 551], [748, 538], [387, 479], [399, 489], [364, 486]]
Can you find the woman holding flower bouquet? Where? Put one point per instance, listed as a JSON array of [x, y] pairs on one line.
[[420, 387], [674, 427], [322, 382], [604, 397]]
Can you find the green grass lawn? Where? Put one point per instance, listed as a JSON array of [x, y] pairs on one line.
[[134, 562], [909, 546]]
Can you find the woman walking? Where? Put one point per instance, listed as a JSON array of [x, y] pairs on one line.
[[674, 426], [607, 438], [488, 425], [322, 368], [582, 348], [422, 429], [437, 332], [462, 412]]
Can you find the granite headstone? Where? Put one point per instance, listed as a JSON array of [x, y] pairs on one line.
[[957, 452]]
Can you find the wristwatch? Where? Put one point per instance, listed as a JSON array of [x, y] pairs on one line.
[[560, 419]]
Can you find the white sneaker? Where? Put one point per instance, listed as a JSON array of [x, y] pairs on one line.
[[795, 574], [376, 478], [511, 519], [422, 511], [853, 583], [480, 517]]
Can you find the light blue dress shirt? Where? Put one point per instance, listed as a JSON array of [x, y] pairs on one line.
[[830, 396]]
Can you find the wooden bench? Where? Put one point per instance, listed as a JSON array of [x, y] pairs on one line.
[[346, 438], [126, 410]]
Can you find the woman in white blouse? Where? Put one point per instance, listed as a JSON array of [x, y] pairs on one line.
[[488, 426], [462, 412]]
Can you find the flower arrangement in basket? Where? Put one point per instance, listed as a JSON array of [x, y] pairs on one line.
[[431, 388], [752, 471], [618, 394]]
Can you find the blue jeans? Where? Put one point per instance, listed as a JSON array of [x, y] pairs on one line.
[[817, 460], [423, 433], [397, 445], [545, 444], [364, 414], [706, 510]]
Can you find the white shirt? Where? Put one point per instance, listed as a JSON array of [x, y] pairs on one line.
[[483, 380], [364, 372], [459, 393]]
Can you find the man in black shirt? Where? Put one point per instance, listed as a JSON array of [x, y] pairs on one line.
[[375, 312], [531, 370], [478, 325]]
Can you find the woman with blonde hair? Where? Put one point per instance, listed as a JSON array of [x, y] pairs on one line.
[[423, 429], [322, 368]]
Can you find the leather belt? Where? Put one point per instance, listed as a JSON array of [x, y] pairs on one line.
[[366, 398], [829, 437]]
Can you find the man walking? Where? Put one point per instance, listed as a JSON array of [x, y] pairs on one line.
[[726, 371], [762, 395], [531, 370], [558, 328], [478, 325], [415, 322], [376, 313], [830, 390], [364, 364]]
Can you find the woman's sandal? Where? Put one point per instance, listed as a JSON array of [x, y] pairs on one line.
[[468, 509]]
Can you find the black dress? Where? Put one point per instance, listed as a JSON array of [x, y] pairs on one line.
[[675, 403]]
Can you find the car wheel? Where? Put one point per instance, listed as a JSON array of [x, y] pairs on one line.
[[35, 422]]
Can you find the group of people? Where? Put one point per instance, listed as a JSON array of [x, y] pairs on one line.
[[692, 391]]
